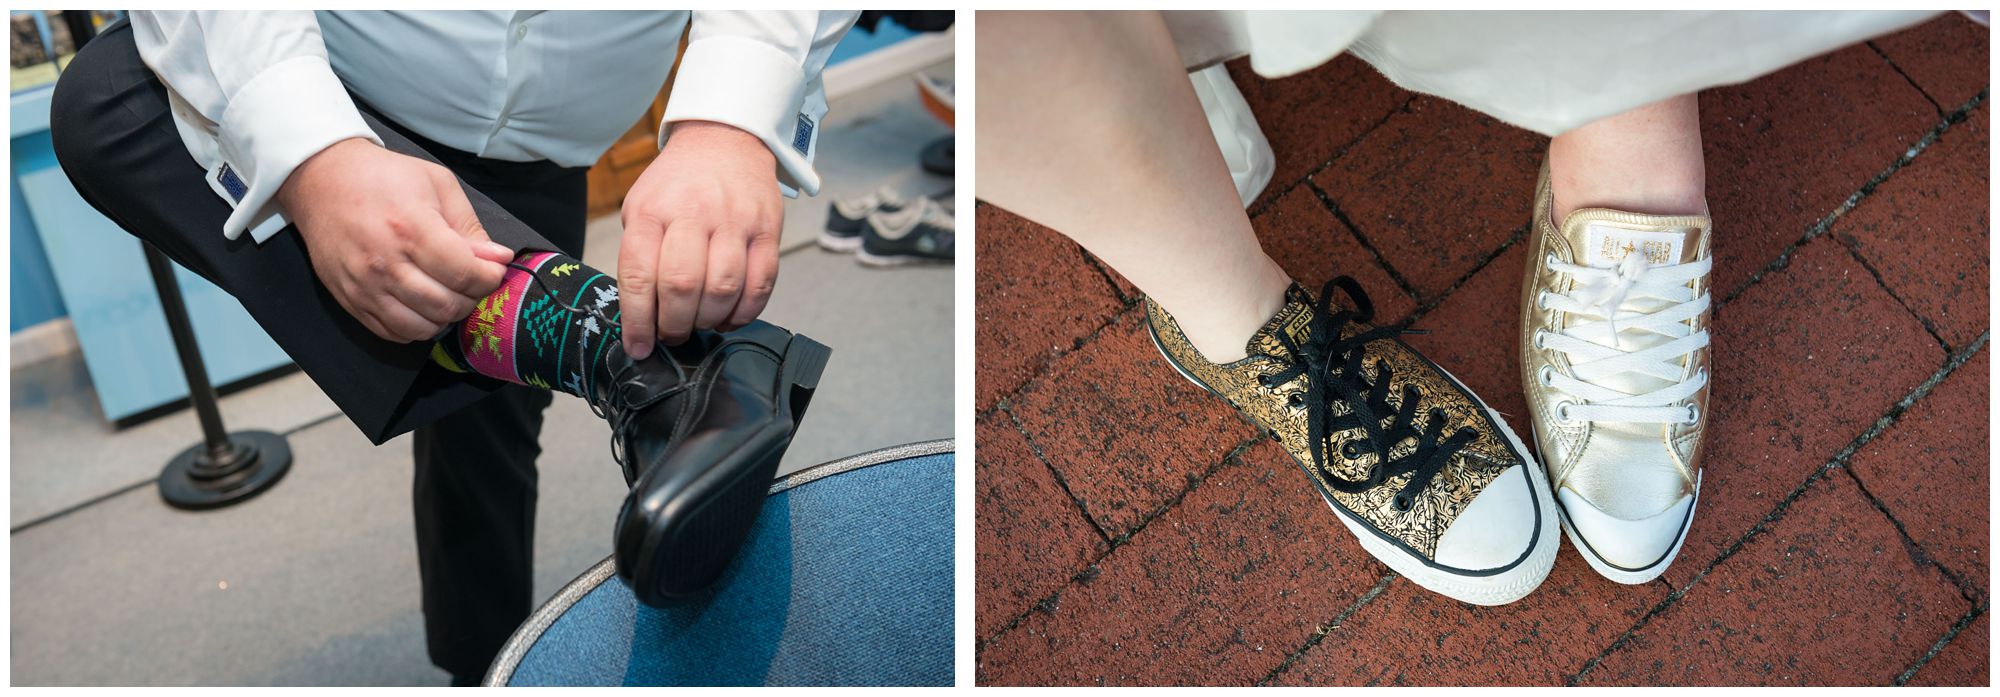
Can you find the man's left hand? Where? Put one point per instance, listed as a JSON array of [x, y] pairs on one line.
[[701, 237]]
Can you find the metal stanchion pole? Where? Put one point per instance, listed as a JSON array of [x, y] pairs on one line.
[[225, 468]]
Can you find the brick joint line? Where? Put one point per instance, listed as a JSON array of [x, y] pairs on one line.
[[1324, 629], [1777, 513], [1075, 345], [1234, 456], [1853, 248], [1271, 199], [1061, 481], [1519, 235], [1906, 77], [1784, 257], [1104, 272], [1949, 635], [1327, 202], [1918, 553]]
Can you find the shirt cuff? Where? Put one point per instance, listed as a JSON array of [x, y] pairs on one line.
[[755, 87], [288, 113]]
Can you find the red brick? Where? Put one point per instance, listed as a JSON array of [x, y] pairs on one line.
[[1123, 428], [1216, 591], [1437, 189], [1785, 150], [1035, 298], [1963, 662], [1829, 596], [1309, 116], [1926, 231], [1931, 470], [1804, 362], [1411, 636], [1031, 538], [1946, 56], [1476, 335], [1313, 247]]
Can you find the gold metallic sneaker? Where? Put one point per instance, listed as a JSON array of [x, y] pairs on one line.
[[1457, 506], [1614, 355]]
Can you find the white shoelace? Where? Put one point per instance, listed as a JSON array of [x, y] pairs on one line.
[[1609, 306]]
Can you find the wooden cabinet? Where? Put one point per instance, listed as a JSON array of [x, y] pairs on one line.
[[620, 166]]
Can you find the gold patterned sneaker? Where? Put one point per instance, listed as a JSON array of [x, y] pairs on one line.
[[1614, 355], [1457, 505]]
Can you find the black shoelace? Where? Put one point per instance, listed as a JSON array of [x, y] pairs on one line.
[[603, 402], [1333, 370]]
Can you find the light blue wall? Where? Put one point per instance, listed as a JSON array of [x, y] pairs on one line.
[[34, 298]]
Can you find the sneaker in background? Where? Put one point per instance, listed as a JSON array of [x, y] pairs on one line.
[[918, 233], [846, 217]]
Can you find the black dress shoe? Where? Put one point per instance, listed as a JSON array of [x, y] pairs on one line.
[[699, 429]]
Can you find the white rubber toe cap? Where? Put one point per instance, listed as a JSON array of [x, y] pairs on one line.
[[1497, 528], [1630, 545]]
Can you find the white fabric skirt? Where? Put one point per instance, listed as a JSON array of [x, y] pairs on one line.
[[1547, 72]]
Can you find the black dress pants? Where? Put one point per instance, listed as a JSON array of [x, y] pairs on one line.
[[476, 438]]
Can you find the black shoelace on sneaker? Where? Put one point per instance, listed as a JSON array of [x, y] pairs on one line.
[[1333, 370]]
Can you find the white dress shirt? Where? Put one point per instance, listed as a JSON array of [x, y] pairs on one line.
[[255, 94]]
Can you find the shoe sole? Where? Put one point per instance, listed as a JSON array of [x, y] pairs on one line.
[[886, 261], [677, 557], [1619, 574], [836, 243], [1497, 589]]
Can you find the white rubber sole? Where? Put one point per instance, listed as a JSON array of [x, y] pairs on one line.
[[866, 259], [1496, 589], [1627, 576], [843, 245]]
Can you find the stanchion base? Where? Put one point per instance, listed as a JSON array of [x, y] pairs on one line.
[[266, 457]]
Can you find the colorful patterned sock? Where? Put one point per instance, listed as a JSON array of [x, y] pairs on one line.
[[550, 309]]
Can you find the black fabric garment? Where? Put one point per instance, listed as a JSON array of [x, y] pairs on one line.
[[475, 483], [914, 20], [114, 136], [476, 438]]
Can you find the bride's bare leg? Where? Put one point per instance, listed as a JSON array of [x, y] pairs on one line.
[[1088, 125], [1647, 160]]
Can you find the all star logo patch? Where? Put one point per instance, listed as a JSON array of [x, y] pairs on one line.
[[1606, 246]]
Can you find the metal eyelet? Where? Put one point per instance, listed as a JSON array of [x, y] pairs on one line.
[[1562, 411], [1402, 503], [1350, 452], [1295, 400], [1538, 343], [1549, 260], [1546, 376], [1542, 300], [1694, 415]]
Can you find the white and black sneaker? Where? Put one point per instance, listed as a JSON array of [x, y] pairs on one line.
[[846, 216], [920, 233]]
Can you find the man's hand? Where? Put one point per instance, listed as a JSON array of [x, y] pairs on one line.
[[701, 237], [393, 238]]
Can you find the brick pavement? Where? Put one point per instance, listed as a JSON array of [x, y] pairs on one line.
[[1132, 530]]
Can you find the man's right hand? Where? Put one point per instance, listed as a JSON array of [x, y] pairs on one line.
[[393, 237]]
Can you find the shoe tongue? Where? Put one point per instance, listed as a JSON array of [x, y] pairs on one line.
[[1294, 320], [1603, 238]]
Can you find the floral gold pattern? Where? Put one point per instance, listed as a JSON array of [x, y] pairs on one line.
[[1437, 505]]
